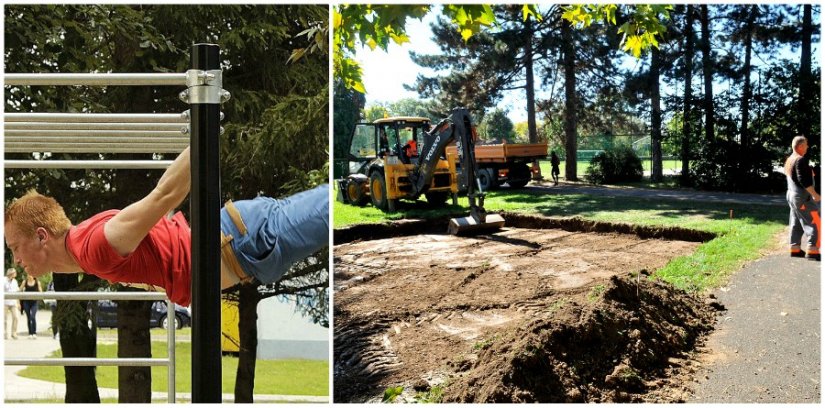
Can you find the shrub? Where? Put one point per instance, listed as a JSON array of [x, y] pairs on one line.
[[722, 165], [619, 164]]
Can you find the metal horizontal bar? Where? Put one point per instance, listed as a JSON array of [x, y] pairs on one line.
[[85, 295], [105, 141], [95, 126], [97, 79], [98, 117], [94, 148], [87, 362], [101, 133], [88, 164]]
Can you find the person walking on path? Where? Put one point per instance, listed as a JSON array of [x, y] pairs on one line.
[[554, 170], [11, 306], [31, 284], [803, 200]]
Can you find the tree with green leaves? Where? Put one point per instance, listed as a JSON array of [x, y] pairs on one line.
[[642, 29], [687, 111], [497, 126], [806, 88], [348, 105]]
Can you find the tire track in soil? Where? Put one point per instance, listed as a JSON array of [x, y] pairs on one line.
[[442, 302]]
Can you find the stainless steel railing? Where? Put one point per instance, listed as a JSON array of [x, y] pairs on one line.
[[169, 362]]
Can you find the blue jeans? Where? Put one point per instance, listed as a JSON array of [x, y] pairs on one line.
[[30, 307]]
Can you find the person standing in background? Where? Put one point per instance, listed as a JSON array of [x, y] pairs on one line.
[[554, 168], [30, 306], [803, 200], [11, 306]]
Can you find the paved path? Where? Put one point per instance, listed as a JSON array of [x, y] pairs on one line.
[[20, 389], [678, 195], [766, 346]]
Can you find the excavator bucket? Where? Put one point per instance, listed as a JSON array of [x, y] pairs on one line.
[[469, 225]]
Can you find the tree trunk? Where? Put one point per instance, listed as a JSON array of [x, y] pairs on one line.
[[569, 61], [744, 107], [531, 92], [76, 341], [707, 72], [806, 88], [248, 333], [655, 119], [686, 116], [133, 341], [532, 134], [135, 383]]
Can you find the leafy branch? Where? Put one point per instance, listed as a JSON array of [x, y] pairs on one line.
[[639, 32]]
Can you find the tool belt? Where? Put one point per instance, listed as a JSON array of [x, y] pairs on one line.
[[227, 253]]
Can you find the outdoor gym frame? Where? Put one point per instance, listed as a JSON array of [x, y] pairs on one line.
[[169, 362], [149, 133]]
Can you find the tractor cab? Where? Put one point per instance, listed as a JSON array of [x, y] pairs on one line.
[[384, 152]]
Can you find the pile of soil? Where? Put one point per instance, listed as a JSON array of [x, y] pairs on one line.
[[616, 348], [523, 314]]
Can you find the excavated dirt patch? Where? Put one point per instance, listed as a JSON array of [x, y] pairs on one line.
[[524, 314]]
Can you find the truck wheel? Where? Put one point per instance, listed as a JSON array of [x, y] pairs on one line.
[[378, 191], [437, 198], [485, 178], [519, 176], [355, 193]]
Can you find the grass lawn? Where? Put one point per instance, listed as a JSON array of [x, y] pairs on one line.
[[284, 377], [582, 166], [739, 240]]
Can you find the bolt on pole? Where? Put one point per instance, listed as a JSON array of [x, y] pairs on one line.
[[205, 209]]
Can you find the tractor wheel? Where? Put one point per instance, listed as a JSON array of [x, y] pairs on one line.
[[378, 191], [437, 198], [355, 193]]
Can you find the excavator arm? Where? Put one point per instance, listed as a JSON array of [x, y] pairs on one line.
[[457, 127]]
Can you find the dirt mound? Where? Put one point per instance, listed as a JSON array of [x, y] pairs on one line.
[[612, 345]]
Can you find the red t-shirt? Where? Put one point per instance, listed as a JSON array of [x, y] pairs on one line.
[[161, 259]]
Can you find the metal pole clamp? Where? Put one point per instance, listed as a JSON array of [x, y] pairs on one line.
[[204, 87]]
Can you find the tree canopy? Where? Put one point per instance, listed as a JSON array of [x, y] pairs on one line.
[[702, 83]]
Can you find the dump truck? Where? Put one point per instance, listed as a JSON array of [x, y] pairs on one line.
[[502, 162]]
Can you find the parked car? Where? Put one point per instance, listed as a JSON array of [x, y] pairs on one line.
[[107, 315]]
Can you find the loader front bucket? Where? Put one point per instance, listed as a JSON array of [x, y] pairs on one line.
[[469, 225]]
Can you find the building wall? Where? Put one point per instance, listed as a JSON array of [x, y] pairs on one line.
[[283, 333]]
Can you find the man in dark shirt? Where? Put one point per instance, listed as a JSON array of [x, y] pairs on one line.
[[803, 200]]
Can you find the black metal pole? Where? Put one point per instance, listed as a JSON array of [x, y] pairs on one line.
[[205, 207]]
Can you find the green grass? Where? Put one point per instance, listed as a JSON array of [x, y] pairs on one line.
[[582, 166], [283, 377], [738, 241]]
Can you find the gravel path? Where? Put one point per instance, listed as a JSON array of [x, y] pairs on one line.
[[766, 347]]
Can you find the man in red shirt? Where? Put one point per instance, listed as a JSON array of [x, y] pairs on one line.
[[142, 244], [111, 244]]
